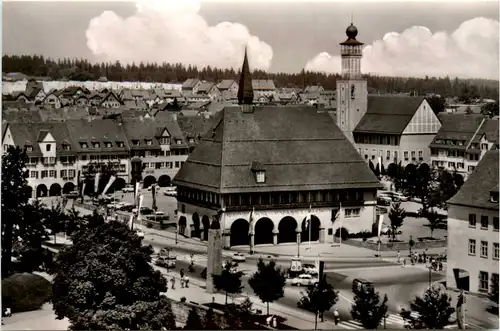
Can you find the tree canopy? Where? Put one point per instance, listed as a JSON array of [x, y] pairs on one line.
[[320, 298], [396, 217], [367, 308], [268, 282], [228, 281], [104, 281], [434, 309]]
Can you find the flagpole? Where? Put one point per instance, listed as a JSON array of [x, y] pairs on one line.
[[340, 229], [310, 221]]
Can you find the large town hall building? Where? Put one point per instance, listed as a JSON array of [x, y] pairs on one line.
[[266, 168]]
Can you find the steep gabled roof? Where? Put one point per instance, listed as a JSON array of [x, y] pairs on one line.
[[141, 130], [21, 115], [489, 129], [226, 84], [475, 192], [190, 83], [459, 127], [205, 87], [299, 148], [33, 133], [263, 84], [98, 131], [388, 114]]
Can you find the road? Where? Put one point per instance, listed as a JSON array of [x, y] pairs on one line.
[[400, 284]]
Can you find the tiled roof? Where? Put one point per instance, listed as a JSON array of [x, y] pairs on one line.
[[173, 94], [313, 88], [140, 130], [192, 127], [226, 84], [190, 83], [388, 114], [98, 131], [33, 133], [205, 87], [263, 84], [457, 127], [489, 129], [23, 116], [475, 192], [299, 148]]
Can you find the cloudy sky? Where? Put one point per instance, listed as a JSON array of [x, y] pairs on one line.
[[404, 38]]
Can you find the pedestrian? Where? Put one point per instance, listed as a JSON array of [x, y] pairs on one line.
[[172, 280], [399, 257], [186, 281], [336, 316], [182, 278], [275, 322], [404, 262], [425, 257], [440, 266]]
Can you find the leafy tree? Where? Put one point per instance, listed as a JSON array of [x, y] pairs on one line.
[[268, 282], [437, 104], [15, 197], [29, 235], [320, 298], [434, 220], [228, 281], [396, 217], [368, 309], [55, 219], [193, 321], [490, 109], [434, 309], [105, 281], [209, 322]]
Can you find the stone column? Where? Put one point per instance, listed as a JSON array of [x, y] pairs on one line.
[[322, 235], [202, 231], [252, 242], [214, 257], [275, 237], [298, 232], [226, 236]]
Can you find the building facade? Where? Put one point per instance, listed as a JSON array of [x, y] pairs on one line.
[[462, 142], [264, 169], [473, 238]]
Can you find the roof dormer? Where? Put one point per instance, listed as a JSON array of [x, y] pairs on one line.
[[494, 196], [259, 172]]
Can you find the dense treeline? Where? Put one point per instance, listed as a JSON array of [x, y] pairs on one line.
[[82, 70]]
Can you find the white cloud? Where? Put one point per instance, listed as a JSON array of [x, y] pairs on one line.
[[471, 51], [172, 31]]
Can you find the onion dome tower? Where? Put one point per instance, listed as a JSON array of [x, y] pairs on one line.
[[351, 53]]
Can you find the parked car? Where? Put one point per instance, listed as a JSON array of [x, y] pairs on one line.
[[158, 213], [239, 257], [305, 303], [170, 191], [310, 269], [140, 233], [384, 200], [166, 262], [144, 211], [72, 195], [150, 188], [234, 266], [386, 230], [304, 280], [128, 189]]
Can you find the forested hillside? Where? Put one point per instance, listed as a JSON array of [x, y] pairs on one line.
[[82, 70]]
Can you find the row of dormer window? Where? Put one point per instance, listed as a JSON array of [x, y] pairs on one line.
[[175, 152], [162, 141], [107, 144]]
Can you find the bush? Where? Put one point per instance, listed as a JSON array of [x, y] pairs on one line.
[[362, 234], [345, 233], [183, 299], [25, 292]]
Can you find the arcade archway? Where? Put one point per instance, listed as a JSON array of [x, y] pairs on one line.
[[148, 181], [239, 232], [55, 190], [304, 235], [196, 225], [263, 231], [68, 187], [287, 230], [206, 225], [164, 181], [41, 191]]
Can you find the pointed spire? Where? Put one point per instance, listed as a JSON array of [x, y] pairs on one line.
[[352, 18], [245, 89]]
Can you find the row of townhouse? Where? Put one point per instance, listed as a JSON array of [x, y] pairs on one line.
[[462, 142], [61, 153]]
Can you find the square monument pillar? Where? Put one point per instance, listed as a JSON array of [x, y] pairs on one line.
[[214, 257], [322, 235]]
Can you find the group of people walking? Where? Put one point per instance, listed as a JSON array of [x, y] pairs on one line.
[[184, 280], [436, 263]]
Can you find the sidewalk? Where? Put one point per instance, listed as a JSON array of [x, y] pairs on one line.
[[296, 318]]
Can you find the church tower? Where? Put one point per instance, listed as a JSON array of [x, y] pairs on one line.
[[352, 89]]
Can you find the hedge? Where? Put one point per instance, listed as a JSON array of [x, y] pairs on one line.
[[25, 292]]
